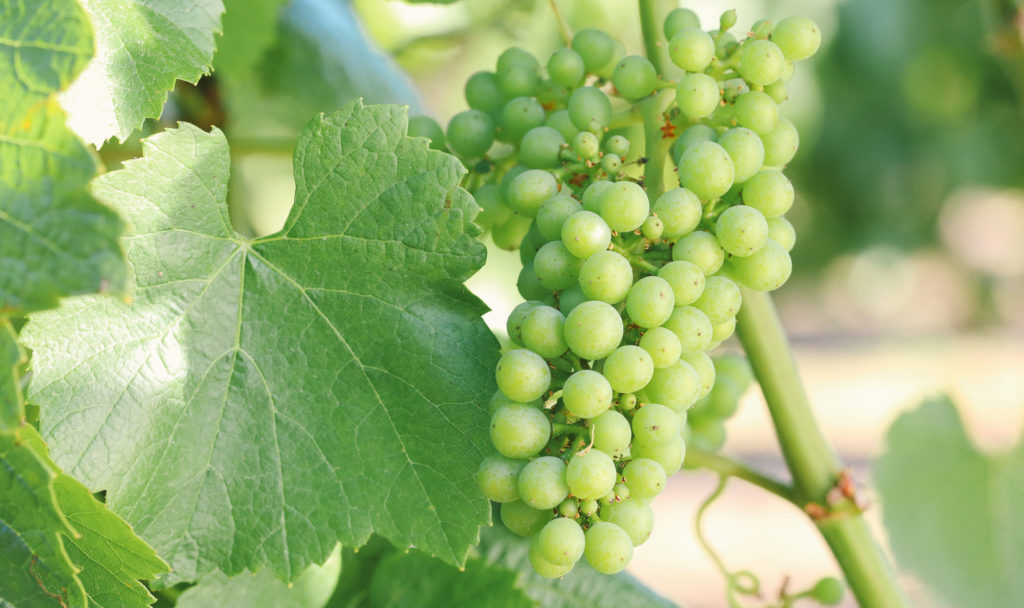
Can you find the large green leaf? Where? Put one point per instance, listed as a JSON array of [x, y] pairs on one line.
[[953, 512], [250, 28], [12, 405], [405, 580], [55, 240], [261, 400], [311, 589], [142, 47]]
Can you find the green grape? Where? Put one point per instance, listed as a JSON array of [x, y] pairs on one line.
[[721, 299], [692, 327], [606, 276], [705, 368], [541, 147], [741, 230], [510, 234], [635, 517], [565, 66], [699, 248], [725, 44], [746, 151], [585, 234], [551, 95], [493, 209], [628, 369], [679, 210], [624, 205], [650, 302], [552, 215], [766, 270], [586, 145], [519, 431], [720, 404], [483, 93], [542, 482], [697, 95], [617, 144], [570, 507], [669, 455], [612, 433], [736, 368], [680, 19], [618, 52], [761, 62], [691, 49], [686, 280], [692, 135], [662, 345], [608, 548], [770, 192], [529, 190], [519, 116], [652, 228], [587, 394], [621, 492], [635, 77], [592, 195], [591, 474], [722, 331], [828, 591], [780, 144], [542, 332], [627, 403], [528, 284], [531, 245], [727, 20], [611, 163], [595, 48], [518, 81], [522, 375], [498, 400], [425, 126], [797, 37], [706, 433], [542, 566], [556, 267], [590, 109], [561, 541], [559, 121], [644, 477], [513, 56], [782, 232], [756, 111], [570, 298], [470, 133], [655, 423], [778, 91], [509, 177], [676, 387], [593, 330], [706, 169], [515, 320], [522, 519], [496, 478]]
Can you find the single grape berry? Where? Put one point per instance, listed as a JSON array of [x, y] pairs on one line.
[[590, 109], [593, 330], [797, 37], [566, 67], [470, 133], [608, 548], [691, 49], [678, 20], [697, 96], [707, 170], [761, 62], [829, 591], [540, 148], [594, 47], [635, 77]]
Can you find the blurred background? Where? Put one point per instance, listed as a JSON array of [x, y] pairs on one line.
[[909, 265]]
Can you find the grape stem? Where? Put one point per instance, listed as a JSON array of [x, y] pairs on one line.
[[563, 26], [728, 467], [652, 14], [811, 460]]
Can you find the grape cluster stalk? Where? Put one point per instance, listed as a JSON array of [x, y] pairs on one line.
[[625, 295]]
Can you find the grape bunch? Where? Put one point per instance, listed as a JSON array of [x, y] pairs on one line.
[[626, 289]]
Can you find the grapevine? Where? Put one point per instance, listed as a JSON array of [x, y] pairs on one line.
[[629, 279]]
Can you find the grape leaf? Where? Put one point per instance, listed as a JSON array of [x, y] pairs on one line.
[[311, 589], [413, 579], [250, 28], [261, 400], [142, 47], [55, 240], [584, 587], [952, 512], [12, 404]]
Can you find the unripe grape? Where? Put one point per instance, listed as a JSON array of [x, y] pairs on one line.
[[570, 507], [797, 37], [635, 517], [777, 90], [770, 192], [723, 331], [516, 56], [518, 81], [519, 431], [761, 62], [425, 126], [617, 144], [565, 66], [594, 47], [741, 230], [720, 301], [592, 195], [552, 215], [766, 270], [570, 298], [705, 368], [692, 327], [556, 267], [606, 276], [496, 478], [551, 95], [522, 519], [493, 209], [542, 566], [542, 482], [585, 234], [611, 163], [540, 148], [590, 109], [696, 133], [676, 387], [519, 116], [702, 249], [628, 369], [593, 330], [650, 302], [644, 477], [782, 232], [780, 144], [727, 20], [561, 541], [560, 121], [706, 169], [707, 433], [522, 375], [529, 190], [829, 591], [483, 93], [655, 423], [586, 145], [627, 402], [635, 77], [625, 206], [691, 49], [591, 474], [697, 95], [510, 234], [679, 210], [498, 400], [608, 548], [618, 52], [756, 111], [662, 345], [470, 133], [678, 20], [686, 279], [612, 433], [542, 332], [528, 283], [652, 228], [745, 149], [669, 455], [514, 324], [587, 394]]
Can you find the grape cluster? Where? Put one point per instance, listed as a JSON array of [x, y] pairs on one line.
[[625, 295]]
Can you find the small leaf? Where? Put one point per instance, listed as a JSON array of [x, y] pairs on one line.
[[142, 47], [953, 512], [311, 589], [261, 400]]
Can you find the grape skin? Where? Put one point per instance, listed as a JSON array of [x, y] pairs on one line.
[[519, 431], [608, 548], [542, 483]]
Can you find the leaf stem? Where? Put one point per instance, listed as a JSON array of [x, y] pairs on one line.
[[728, 467], [811, 460], [563, 27]]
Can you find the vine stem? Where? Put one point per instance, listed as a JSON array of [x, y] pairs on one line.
[[728, 467], [563, 27], [811, 460], [652, 13]]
